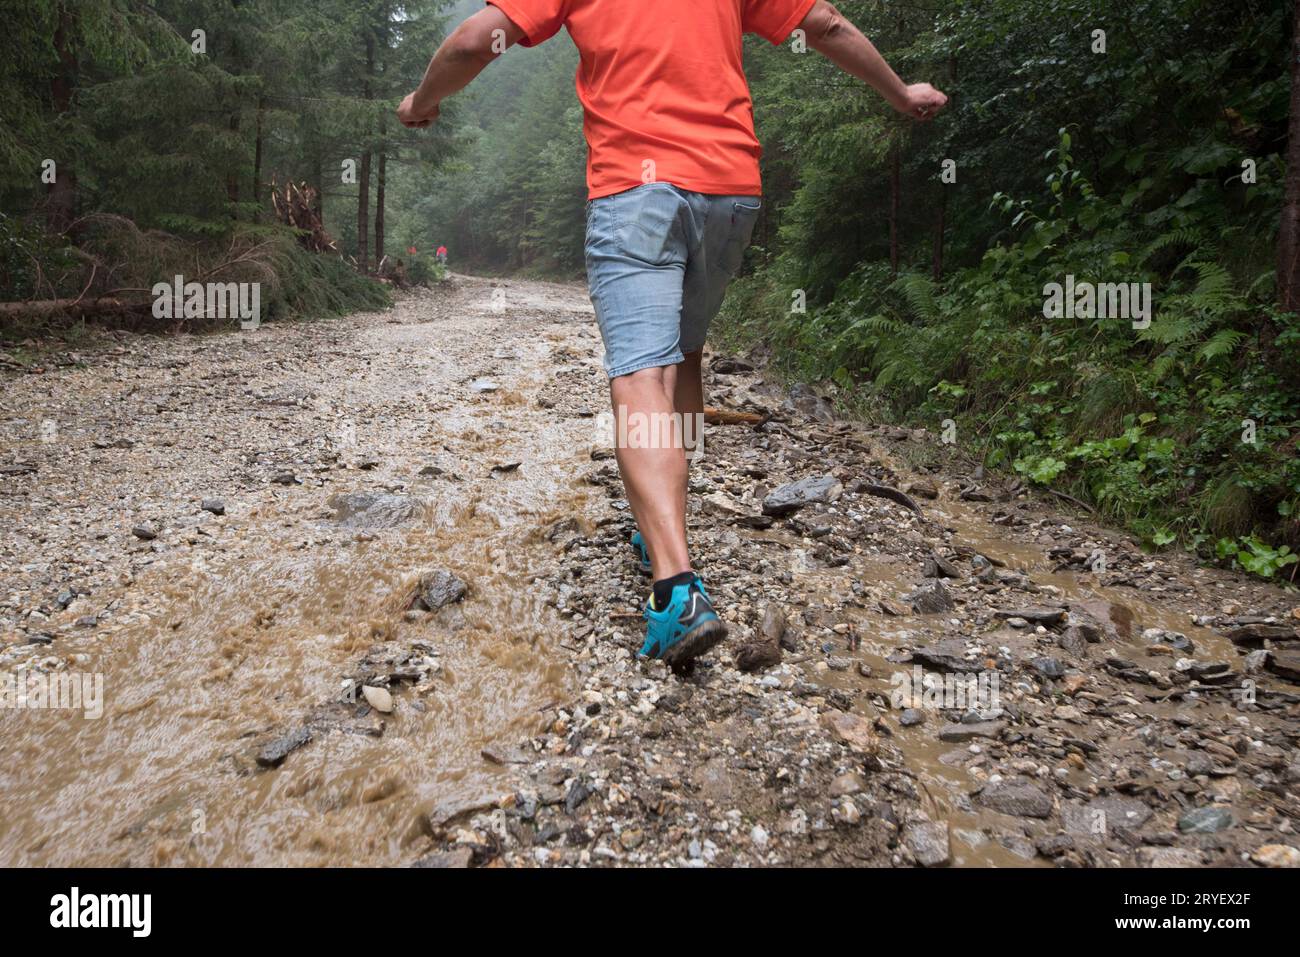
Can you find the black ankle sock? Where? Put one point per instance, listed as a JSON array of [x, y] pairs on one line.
[[664, 588]]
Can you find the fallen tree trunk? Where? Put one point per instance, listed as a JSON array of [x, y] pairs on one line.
[[77, 308]]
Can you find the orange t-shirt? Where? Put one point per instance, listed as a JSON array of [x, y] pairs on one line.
[[662, 86]]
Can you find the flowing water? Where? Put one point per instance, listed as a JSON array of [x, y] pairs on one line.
[[247, 633]]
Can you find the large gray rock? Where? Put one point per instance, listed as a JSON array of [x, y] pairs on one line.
[[928, 842], [1103, 816], [1016, 796], [373, 509], [794, 496], [437, 589]]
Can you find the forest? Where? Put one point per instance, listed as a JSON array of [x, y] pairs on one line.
[[1145, 146]]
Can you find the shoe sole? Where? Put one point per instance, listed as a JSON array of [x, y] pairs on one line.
[[695, 643]]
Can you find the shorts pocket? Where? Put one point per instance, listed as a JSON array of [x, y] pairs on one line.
[[650, 224], [744, 214]]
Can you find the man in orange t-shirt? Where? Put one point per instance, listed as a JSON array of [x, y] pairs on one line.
[[673, 193]]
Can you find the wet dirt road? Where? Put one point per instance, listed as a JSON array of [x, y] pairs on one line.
[[230, 530]]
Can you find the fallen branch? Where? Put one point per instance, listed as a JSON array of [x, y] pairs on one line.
[[1071, 498], [893, 494], [730, 417]]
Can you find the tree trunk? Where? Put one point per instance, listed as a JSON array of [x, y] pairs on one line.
[[257, 162], [363, 173], [1288, 238], [363, 212], [380, 178], [894, 189], [232, 178], [62, 193]]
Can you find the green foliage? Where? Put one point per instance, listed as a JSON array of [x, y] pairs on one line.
[[1144, 421]]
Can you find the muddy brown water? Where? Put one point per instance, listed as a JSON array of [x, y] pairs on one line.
[[242, 643]]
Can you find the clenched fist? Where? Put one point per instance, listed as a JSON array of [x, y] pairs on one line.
[[414, 113]]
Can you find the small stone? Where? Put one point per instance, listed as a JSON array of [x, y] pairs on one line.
[[378, 698], [1205, 820], [929, 843], [214, 505], [273, 754], [852, 730], [1276, 855], [911, 716], [145, 532]]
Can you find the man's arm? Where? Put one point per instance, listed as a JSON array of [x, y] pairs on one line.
[[831, 35], [474, 44]]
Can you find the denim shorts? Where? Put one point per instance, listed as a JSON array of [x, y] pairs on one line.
[[659, 259]]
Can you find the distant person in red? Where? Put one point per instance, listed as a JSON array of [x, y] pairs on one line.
[[442, 254], [412, 250]]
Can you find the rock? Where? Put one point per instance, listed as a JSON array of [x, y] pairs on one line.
[[931, 600], [1103, 816], [1276, 855], [505, 755], [1016, 796], [214, 505], [805, 400], [944, 661], [372, 509], [1205, 820], [378, 698], [1163, 857], [774, 624], [285, 478], [1038, 616], [1102, 619], [758, 655], [961, 733], [846, 784], [146, 532], [936, 566], [439, 588], [1173, 639], [1255, 634], [483, 385], [1284, 664], [794, 496], [272, 755], [929, 843], [911, 716], [1048, 667], [852, 730], [456, 858]]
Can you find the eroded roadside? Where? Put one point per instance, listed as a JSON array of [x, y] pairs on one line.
[[232, 530]]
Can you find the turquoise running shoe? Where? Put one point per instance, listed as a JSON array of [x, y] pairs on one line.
[[684, 630], [642, 553]]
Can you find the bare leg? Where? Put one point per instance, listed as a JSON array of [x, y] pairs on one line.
[[654, 476], [688, 398]]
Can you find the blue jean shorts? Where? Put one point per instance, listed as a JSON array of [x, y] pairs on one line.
[[659, 259]]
